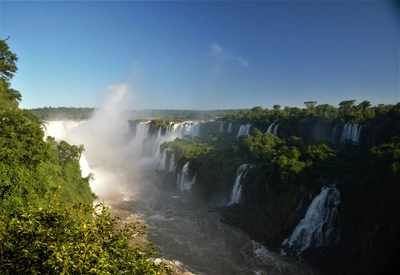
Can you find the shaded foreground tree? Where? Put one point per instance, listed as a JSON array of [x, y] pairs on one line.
[[83, 239]]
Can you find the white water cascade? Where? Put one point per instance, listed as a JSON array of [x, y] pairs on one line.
[[61, 130], [230, 128], [320, 226], [172, 162], [273, 129], [162, 165], [237, 187], [275, 133], [144, 145], [244, 130], [85, 169], [183, 181], [351, 132]]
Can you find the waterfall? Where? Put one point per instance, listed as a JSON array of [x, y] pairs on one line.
[[273, 129], [320, 226], [187, 128], [60, 130], [275, 133], [221, 127], [85, 169], [244, 130], [163, 160], [269, 130], [137, 146], [172, 162], [350, 132], [147, 146], [230, 128], [237, 187], [183, 182]]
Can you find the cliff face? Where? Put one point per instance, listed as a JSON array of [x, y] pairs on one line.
[[369, 223], [292, 159]]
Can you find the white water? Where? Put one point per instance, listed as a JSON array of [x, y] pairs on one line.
[[350, 132], [269, 130], [320, 226], [61, 130], [275, 133], [172, 162], [244, 130], [183, 181], [273, 129], [237, 187], [162, 165]]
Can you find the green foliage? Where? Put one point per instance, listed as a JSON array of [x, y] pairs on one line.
[[31, 168], [8, 60], [310, 103], [9, 97], [49, 113], [190, 149], [57, 239]]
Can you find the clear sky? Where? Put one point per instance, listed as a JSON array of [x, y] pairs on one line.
[[204, 55]]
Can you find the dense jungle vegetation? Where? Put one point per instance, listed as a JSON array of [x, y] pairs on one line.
[[48, 224], [64, 113], [288, 172]]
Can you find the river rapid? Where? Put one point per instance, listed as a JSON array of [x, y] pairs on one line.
[[184, 230]]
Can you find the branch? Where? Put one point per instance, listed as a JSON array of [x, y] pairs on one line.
[[6, 39]]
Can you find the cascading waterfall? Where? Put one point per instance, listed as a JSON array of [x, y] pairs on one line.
[[183, 181], [237, 187], [273, 129], [60, 130], [244, 130], [163, 161], [320, 226], [230, 128], [147, 146], [269, 130], [275, 133], [172, 162], [85, 169], [350, 132]]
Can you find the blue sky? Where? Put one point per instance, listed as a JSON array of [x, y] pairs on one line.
[[204, 55]]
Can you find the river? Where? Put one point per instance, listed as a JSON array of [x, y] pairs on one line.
[[185, 231]]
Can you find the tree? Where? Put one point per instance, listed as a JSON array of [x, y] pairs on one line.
[[8, 59], [310, 103], [347, 104], [8, 96], [58, 239], [276, 107]]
